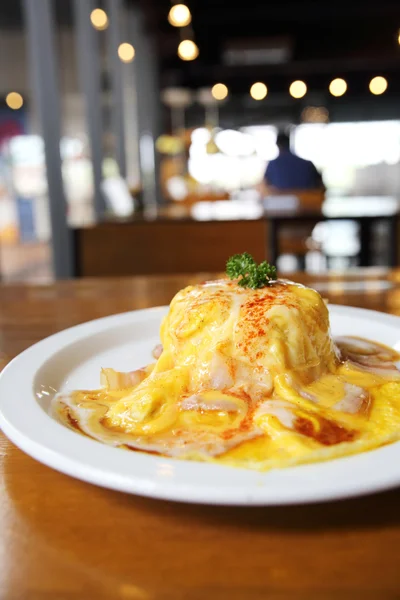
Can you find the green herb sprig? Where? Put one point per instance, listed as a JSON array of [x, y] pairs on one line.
[[250, 275]]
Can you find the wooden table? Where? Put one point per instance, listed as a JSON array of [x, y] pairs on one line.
[[63, 539], [277, 220]]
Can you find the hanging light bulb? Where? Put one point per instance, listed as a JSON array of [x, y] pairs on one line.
[[179, 15], [14, 100], [126, 52], [338, 87], [258, 91], [188, 50], [378, 85], [219, 91], [99, 19], [298, 89]]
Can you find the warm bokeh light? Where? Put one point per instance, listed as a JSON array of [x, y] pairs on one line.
[[99, 19], [219, 91], [398, 38], [187, 50], [126, 52], [177, 97], [315, 114], [14, 100], [338, 87], [298, 89], [258, 91], [378, 85], [179, 15]]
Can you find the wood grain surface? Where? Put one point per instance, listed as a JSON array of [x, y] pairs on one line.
[[63, 539], [152, 247]]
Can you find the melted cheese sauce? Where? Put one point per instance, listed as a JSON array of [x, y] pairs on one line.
[[247, 378]]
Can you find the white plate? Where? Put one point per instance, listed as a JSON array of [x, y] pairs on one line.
[[72, 359]]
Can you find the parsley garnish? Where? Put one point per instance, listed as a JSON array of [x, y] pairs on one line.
[[250, 275]]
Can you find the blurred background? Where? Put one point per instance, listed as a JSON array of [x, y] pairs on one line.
[[140, 137]]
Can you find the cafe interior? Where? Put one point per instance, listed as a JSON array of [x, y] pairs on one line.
[[135, 137], [145, 146]]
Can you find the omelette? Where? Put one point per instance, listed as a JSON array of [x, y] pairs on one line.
[[249, 378]]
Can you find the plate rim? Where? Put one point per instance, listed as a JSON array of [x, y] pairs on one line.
[[19, 430]]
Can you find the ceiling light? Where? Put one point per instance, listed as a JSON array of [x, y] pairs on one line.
[[187, 50], [126, 52], [179, 15], [99, 19], [298, 89], [219, 91], [14, 100], [378, 85], [338, 87], [258, 91]]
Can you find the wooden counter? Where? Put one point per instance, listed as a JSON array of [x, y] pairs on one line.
[[180, 239], [165, 246]]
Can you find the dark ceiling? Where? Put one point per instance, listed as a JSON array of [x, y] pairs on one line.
[[324, 39], [327, 39]]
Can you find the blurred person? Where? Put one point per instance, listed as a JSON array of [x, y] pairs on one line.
[[288, 172], [290, 175]]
